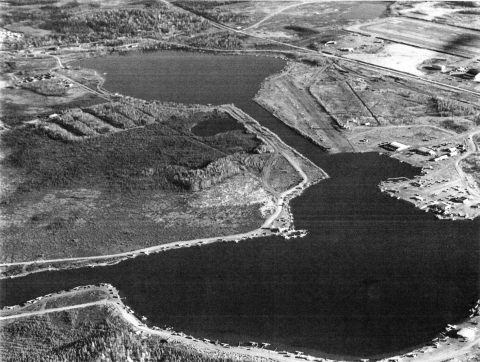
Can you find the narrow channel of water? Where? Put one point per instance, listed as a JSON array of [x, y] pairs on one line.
[[373, 276]]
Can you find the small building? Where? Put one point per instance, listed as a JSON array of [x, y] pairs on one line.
[[440, 208], [467, 333], [473, 72], [459, 199], [440, 158], [395, 146], [439, 67], [424, 151]]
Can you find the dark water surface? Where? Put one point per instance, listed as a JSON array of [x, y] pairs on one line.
[[373, 276]]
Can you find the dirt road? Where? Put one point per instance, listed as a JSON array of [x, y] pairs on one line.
[[274, 143], [472, 148]]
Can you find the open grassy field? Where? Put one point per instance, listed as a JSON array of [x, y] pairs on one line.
[[440, 37], [310, 23], [24, 101]]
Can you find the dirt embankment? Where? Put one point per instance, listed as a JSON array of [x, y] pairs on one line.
[[214, 173]]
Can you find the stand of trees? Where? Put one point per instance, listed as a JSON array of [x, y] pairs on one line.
[[213, 10], [222, 40], [106, 25]]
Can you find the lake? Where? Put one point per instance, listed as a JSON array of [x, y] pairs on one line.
[[374, 276]]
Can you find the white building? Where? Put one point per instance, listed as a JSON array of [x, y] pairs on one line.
[[467, 333], [425, 151], [440, 158], [395, 146]]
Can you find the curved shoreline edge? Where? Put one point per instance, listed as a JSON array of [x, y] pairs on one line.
[[111, 298]]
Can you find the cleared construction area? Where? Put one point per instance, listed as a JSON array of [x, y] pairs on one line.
[[290, 99], [428, 35]]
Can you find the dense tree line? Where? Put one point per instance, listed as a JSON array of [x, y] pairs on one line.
[[106, 25], [138, 159], [448, 108], [213, 10], [222, 40], [111, 24]]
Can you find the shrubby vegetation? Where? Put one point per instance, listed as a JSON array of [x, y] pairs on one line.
[[221, 40], [213, 10], [302, 30], [454, 126], [450, 108], [149, 158], [46, 88], [214, 173], [110, 24], [67, 28]]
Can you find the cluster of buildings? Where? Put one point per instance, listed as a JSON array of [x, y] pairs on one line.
[[37, 77], [450, 152], [46, 76], [472, 73], [463, 72], [424, 151]]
